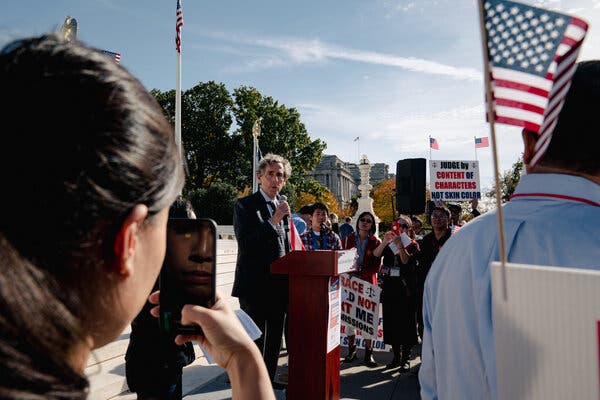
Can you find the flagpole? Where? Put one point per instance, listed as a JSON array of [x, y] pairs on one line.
[[490, 114], [429, 147], [255, 134], [178, 95], [475, 144]]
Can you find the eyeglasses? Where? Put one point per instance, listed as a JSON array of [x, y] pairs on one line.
[[439, 216], [366, 220]]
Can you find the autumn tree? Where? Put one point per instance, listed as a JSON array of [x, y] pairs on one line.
[[382, 200]]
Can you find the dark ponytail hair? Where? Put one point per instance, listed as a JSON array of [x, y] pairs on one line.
[[91, 143]]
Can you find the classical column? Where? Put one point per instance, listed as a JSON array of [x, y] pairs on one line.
[[365, 202]]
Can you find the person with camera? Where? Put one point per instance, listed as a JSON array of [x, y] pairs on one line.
[[153, 361], [75, 275], [400, 291]]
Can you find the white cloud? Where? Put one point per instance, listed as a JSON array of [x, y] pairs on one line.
[[304, 51]]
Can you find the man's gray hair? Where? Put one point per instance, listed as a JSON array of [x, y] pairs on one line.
[[270, 159]]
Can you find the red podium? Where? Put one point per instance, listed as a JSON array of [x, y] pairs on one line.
[[314, 372]]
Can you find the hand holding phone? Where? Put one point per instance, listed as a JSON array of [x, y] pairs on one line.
[[188, 274]]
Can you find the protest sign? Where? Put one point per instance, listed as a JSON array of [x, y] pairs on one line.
[[454, 180], [360, 305], [333, 316]]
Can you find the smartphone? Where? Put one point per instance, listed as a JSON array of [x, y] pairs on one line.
[[188, 274]]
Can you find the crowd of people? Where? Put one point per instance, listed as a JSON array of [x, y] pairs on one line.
[[85, 266]]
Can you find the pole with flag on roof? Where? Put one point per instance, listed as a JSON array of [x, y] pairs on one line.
[[480, 142], [433, 144], [357, 140], [529, 59], [256, 154], [178, 26]]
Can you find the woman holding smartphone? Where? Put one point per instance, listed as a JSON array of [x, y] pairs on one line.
[[102, 169], [399, 291], [369, 249]]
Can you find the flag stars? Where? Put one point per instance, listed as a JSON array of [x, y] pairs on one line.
[[544, 18], [519, 18], [560, 22], [500, 7], [553, 34], [525, 64], [539, 68], [535, 60], [534, 22], [549, 26], [514, 10], [510, 61]]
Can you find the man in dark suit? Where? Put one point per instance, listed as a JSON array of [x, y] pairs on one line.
[[258, 221]]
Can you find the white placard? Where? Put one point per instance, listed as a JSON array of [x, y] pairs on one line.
[[454, 180], [360, 305], [547, 332], [333, 316], [346, 260]]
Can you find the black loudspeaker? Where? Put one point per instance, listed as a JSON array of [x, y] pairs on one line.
[[410, 186]]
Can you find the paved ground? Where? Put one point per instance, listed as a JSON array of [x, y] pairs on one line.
[[356, 381]]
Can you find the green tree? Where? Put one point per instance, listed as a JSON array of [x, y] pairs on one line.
[[214, 202], [508, 181], [282, 133], [205, 132]]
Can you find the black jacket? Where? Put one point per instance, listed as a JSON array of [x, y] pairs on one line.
[[259, 244]]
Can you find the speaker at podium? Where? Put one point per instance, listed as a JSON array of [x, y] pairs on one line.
[[410, 186]]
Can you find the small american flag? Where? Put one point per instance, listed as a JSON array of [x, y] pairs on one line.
[[481, 142], [178, 25], [532, 54], [433, 143], [113, 55]]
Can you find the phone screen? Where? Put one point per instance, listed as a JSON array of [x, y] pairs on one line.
[[188, 274]]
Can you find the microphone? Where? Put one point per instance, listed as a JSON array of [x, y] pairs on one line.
[[286, 220], [286, 226]]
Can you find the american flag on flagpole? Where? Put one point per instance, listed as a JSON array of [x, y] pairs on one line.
[[178, 25], [433, 143], [481, 142], [113, 55], [532, 55]]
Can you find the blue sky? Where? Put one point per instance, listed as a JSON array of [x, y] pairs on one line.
[[391, 72]]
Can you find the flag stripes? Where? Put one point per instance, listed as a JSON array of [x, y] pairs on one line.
[[532, 54], [178, 25]]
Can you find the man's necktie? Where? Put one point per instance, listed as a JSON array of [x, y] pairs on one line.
[[271, 207]]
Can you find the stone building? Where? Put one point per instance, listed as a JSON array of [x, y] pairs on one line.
[[379, 172], [335, 175]]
